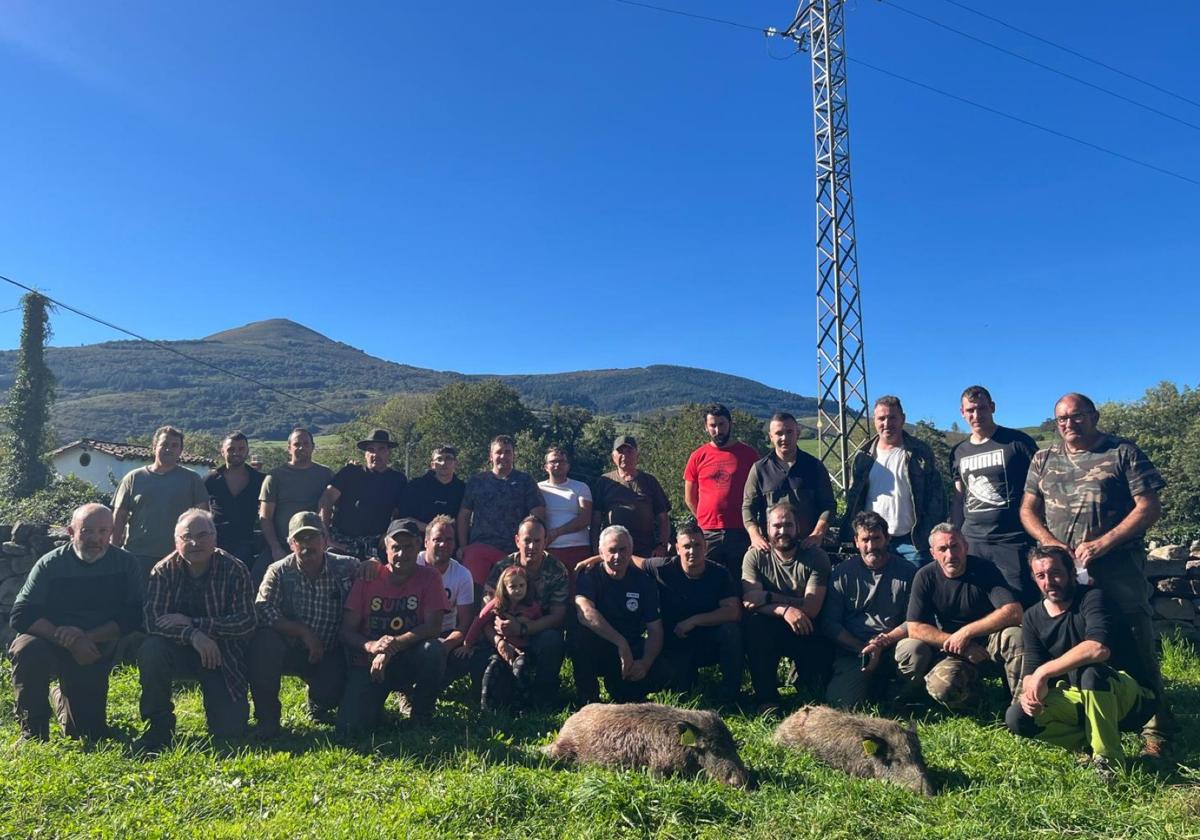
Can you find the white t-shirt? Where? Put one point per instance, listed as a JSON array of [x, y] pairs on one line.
[[888, 492], [460, 590], [562, 505]]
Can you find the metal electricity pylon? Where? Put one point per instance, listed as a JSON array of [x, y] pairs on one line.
[[818, 28]]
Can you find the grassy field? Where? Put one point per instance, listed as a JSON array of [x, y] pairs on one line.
[[473, 775]]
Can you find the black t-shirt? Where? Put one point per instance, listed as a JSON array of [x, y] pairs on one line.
[[426, 497], [992, 474], [628, 604], [1089, 618], [682, 597], [236, 516], [953, 603], [368, 501]]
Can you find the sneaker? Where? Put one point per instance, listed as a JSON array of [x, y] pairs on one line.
[[1105, 770]]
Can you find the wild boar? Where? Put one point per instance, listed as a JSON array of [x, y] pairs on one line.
[[662, 739], [868, 747]]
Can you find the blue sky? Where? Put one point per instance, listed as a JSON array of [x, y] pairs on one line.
[[547, 186]]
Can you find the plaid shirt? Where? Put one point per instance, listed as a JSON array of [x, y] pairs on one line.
[[286, 592], [219, 602]]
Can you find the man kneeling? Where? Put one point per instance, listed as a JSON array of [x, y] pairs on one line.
[[199, 615], [1083, 682], [620, 633]]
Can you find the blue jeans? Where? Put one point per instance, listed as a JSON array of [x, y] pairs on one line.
[[905, 548]]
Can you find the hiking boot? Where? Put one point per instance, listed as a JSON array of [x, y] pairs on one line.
[[267, 730], [154, 741], [34, 733], [496, 691]]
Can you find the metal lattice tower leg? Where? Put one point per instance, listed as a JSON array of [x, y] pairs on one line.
[[841, 364]]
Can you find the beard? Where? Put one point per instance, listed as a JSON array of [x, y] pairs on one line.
[[785, 543], [721, 440]]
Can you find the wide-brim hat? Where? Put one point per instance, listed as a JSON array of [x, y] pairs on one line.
[[378, 436]]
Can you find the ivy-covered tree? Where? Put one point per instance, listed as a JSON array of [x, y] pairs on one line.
[[468, 415], [27, 414]]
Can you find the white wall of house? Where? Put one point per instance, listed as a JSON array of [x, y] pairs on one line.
[[101, 464]]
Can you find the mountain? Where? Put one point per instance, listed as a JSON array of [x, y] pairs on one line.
[[118, 389]]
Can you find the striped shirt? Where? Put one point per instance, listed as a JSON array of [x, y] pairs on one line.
[[219, 602]]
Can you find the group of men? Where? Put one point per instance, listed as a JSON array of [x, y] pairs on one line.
[[368, 583]]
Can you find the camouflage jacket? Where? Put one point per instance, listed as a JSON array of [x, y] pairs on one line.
[[929, 494]]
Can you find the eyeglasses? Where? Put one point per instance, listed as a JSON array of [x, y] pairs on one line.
[[1077, 417]]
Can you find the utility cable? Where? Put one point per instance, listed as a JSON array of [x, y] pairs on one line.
[[170, 349], [1075, 53], [681, 13], [1035, 63]]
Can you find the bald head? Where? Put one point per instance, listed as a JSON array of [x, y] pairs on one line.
[[90, 530]]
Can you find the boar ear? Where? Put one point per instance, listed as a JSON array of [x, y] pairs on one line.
[[687, 735], [874, 747]]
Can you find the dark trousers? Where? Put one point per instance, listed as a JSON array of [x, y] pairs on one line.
[[769, 639], [82, 696], [467, 666], [720, 644], [161, 662], [417, 671], [593, 657], [728, 547], [272, 655]]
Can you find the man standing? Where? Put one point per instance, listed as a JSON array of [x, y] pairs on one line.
[[391, 627], [896, 475], [634, 500], [549, 582], [437, 493], [77, 601], [961, 617], [864, 614], [150, 499], [361, 500], [1095, 495], [701, 614], [568, 511], [199, 614], [233, 491], [788, 475], [620, 632], [289, 489], [299, 608], [493, 506], [713, 482], [1083, 682], [989, 471], [783, 590]]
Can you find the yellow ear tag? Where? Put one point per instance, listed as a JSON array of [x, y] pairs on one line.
[[870, 747], [687, 738]]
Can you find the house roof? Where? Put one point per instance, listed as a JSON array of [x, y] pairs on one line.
[[123, 451]]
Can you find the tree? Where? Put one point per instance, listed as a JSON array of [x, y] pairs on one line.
[[27, 414], [930, 434], [468, 415], [1165, 424], [665, 443], [400, 415]]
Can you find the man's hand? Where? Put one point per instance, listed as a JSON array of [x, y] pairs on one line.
[[172, 621], [379, 663], [798, 620], [463, 651], [210, 654], [379, 645], [638, 670], [758, 541], [66, 636], [957, 643], [84, 651], [976, 654], [754, 599], [316, 648], [684, 627], [584, 565], [507, 651], [626, 656], [1032, 692], [368, 570], [1088, 551]]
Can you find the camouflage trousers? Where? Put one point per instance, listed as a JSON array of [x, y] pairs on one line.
[[364, 548], [954, 682]]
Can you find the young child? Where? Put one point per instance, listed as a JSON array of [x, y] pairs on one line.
[[515, 603]]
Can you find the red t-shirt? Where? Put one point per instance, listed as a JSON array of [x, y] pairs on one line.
[[720, 479], [390, 610]]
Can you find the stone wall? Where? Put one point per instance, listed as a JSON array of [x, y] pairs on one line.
[[20, 547], [1174, 571]]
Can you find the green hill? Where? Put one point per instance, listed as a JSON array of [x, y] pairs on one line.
[[122, 388]]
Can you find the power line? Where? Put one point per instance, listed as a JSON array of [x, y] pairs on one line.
[[1035, 63], [1095, 146], [169, 348], [1075, 53], [1023, 121]]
